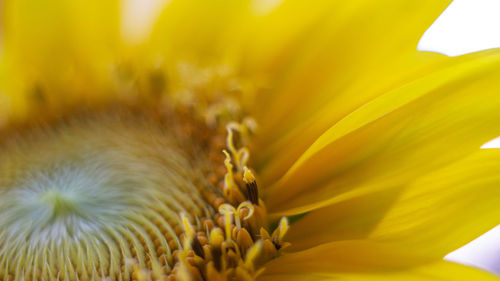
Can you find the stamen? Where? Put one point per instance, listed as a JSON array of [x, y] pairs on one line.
[[240, 155], [231, 191], [251, 185], [228, 178], [138, 210], [250, 125], [239, 211], [227, 211]]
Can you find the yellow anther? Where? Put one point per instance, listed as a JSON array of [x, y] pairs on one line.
[[252, 255], [252, 190], [227, 211], [228, 178], [284, 226], [248, 176]]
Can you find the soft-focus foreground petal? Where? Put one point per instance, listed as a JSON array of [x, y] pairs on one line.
[[410, 131], [299, 48], [54, 51], [200, 32], [365, 260], [338, 54], [197, 44]]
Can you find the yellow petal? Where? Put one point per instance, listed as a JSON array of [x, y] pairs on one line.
[[353, 256], [337, 54], [351, 219], [297, 39], [447, 208], [403, 134], [365, 260], [54, 49], [309, 125], [437, 271], [316, 40], [200, 31], [434, 214]]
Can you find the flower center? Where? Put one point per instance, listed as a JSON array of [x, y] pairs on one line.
[[129, 196]]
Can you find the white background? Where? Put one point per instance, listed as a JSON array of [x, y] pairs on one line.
[[468, 26]]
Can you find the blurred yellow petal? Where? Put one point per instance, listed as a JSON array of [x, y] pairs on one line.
[[337, 54], [337, 104], [405, 133], [200, 31], [437, 213], [380, 141], [436, 271], [54, 50], [446, 209]]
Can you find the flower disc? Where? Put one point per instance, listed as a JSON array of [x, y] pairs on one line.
[[81, 200]]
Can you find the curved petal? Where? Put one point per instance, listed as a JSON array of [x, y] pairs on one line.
[[403, 134], [433, 214], [438, 271], [339, 56], [311, 44], [447, 208], [365, 260], [336, 104], [298, 47], [352, 256], [355, 218]]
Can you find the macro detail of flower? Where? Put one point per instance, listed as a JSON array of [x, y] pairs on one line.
[[241, 140]]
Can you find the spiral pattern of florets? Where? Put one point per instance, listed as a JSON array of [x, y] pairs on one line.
[[79, 204], [115, 197]]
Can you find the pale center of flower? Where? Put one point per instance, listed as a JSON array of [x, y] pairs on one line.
[[130, 196], [85, 198]]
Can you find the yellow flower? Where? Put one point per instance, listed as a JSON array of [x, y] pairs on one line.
[[179, 156]]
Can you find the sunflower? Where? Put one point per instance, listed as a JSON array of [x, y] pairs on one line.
[[241, 140]]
